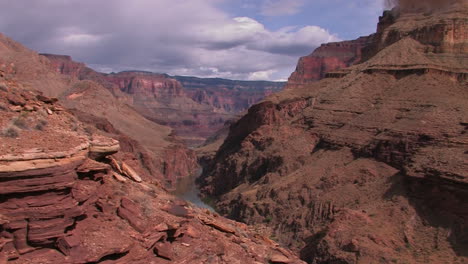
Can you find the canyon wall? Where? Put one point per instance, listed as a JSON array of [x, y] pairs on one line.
[[405, 20], [194, 107], [230, 96], [366, 165], [327, 58]]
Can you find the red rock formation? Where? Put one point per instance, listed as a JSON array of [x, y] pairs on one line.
[[227, 95], [146, 84], [100, 102], [366, 166], [448, 35], [67, 197], [65, 65], [163, 100], [327, 58]]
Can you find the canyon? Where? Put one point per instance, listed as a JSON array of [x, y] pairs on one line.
[[367, 165], [68, 197], [361, 158], [86, 177], [194, 107]]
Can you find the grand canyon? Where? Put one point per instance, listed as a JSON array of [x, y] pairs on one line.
[[360, 157]]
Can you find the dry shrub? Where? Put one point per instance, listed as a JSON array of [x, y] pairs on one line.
[[41, 124], [21, 122], [10, 132]]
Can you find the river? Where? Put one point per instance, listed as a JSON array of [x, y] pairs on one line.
[[187, 189]]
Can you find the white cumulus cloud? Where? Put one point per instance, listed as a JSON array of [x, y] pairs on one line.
[[193, 37]]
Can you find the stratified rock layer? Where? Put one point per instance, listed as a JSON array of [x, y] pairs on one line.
[[68, 197], [194, 107], [326, 58], [368, 165]]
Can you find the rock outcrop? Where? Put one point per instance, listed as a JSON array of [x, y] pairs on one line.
[[367, 165], [68, 197], [446, 34], [327, 58]]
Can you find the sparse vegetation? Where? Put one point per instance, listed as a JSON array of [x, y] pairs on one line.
[[41, 124], [21, 122], [3, 87], [10, 132]]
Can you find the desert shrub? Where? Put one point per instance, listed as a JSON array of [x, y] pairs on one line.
[[3, 87], [21, 123], [41, 124], [42, 113], [10, 132]]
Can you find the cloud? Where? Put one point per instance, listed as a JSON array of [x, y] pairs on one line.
[[80, 39], [261, 75], [181, 37], [293, 42], [281, 7]]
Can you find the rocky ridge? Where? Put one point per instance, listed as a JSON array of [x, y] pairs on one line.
[[68, 197], [367, 165]]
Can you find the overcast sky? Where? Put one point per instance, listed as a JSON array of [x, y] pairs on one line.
[[236, 39]]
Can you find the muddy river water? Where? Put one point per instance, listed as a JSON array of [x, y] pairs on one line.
[[188, 190]]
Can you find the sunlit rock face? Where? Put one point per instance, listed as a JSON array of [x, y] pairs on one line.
[[327, 58], [366, 165]]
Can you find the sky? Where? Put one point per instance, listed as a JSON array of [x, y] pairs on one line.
[[235, 39]]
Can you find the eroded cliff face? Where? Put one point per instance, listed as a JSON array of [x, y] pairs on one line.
[[164, 100], [69, 196], [442, 26], [447, 35], [327, 58], [365, 166], [228, 96]]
